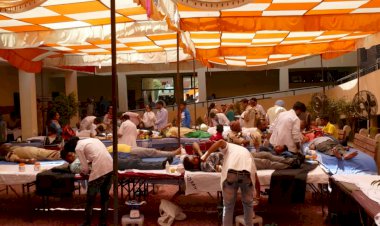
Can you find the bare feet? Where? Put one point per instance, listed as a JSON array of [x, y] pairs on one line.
[[336, 153], [350, 155]]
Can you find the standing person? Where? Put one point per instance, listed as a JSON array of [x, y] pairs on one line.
[[238, 171], [90, 123], [185, 115], [219, 119], [161, 115], [134, 117], [90, 107], [249, 115], [230, 114], [100, 175], [286, 129], [329, 128], [223, 108], [259, 108], [149, 118], [107, 120], [274, 111], [127, 132], [210, 109], [3, 130], [40, 116]]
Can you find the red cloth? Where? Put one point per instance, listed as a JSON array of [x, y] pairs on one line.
[[216, 137]]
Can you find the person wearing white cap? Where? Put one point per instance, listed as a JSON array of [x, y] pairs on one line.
[[274, 111]]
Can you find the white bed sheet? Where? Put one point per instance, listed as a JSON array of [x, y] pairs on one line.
[[363, 182], [198, 181], [10, 175]]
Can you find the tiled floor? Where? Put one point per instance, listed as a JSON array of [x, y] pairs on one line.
[[200, 210]]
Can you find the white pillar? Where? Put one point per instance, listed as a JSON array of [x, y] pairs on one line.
[[122, 89], [71, 86], [284, 79], [28, 104], [202, 89]]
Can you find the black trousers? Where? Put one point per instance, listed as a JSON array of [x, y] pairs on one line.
[[101, 185]]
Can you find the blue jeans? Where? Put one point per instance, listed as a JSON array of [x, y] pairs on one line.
[[230, 187]]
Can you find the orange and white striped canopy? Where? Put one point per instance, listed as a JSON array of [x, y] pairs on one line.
[[77, 32], [259, 32]]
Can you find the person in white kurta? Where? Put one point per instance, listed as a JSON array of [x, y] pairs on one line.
[[219, 119], [127, 132], [274, 111], [286, 129], [238, 171], [134, 117], [92, 152]]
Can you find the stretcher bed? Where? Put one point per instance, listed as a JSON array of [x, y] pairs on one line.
[[210, 182], [354, 200], [11, 176]]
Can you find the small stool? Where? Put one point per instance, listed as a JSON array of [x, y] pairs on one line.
[[256, 220], [126, 220]]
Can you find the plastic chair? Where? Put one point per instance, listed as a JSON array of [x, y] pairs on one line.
[[240, 220]]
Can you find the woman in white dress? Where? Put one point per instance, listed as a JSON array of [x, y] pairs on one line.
[[149, 118]]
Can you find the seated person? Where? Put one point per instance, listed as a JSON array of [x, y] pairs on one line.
[[214, 163], [218, 135], [129, 158], [27, 154], [328, 128], [53, 139], [236, 136], [329, 146]]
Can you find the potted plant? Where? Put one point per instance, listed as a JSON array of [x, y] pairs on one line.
[[67, 107]]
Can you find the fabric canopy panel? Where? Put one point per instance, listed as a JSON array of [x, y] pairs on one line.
[[80, 30], [13, 6], [269, 31], [64, 14]]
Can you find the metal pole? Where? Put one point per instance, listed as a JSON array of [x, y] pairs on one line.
[[114, 115], [323, 76], [358, 67], [179, 97], [195, 103]]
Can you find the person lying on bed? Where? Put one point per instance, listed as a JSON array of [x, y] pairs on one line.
[[129, 158], [214, 163], [330, 146], [27, 154]]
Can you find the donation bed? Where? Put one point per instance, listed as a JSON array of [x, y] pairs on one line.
[[353, 199], [136, 182]]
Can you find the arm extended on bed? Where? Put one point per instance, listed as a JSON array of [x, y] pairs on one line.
[[214, 148]]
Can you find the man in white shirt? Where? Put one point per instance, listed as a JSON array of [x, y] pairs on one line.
[[161, 116], [92, 151], [127, 132], [134, 117], [89, 123], [219, 119], [259, 108], [286, 129], [274, 111], [238, 171]]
